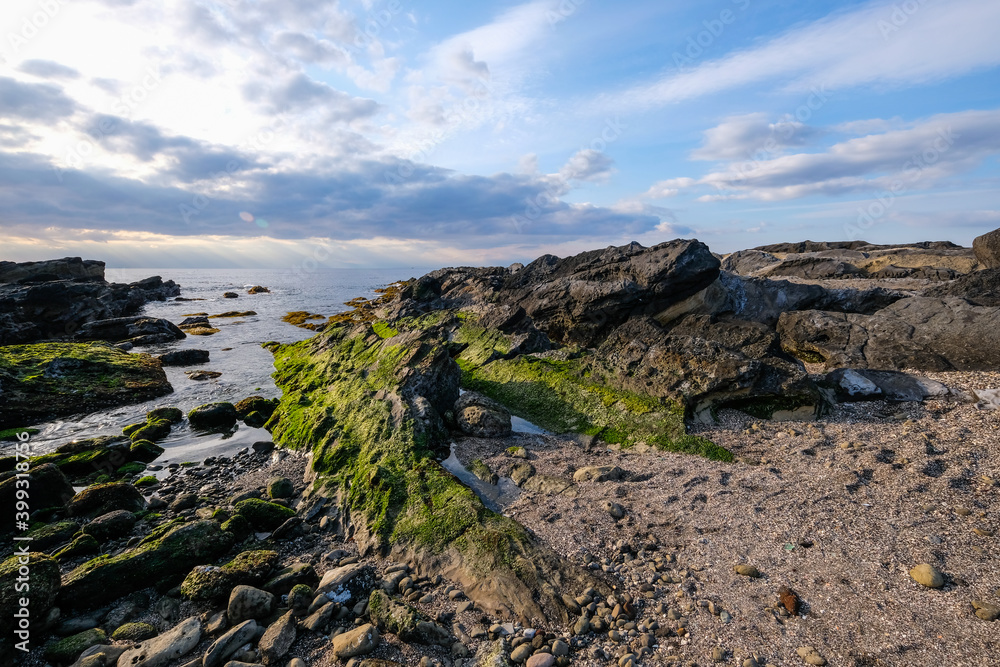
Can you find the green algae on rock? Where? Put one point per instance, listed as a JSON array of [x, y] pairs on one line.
[[47, 380], [208, 582], [369, 410]]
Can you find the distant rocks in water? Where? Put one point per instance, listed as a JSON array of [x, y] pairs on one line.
[[230, 295], [300, 318], [47, 380], [197, 325], [184, 357], [203, 375], [236, 313], [482, 417], [987, 249], [55, 298], [137, 331], [258, 289]]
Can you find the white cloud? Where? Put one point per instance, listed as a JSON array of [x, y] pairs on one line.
[[937, 41], [587, 164], [749, 135], [669, 187]]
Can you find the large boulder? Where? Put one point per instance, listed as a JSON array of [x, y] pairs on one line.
[[165, 648], [49, 488], [160, 560], [111, 525], [47, 380], [987, 249], [184, 357], [44, 582], [922, 333]]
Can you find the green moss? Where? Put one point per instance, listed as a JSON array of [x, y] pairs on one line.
[[172, 415], [383, 330], [148, 480], [151, 431], [12, 433], [145, 451], [262, 515], [134, 632], [82, 545], [209, 582], [65, 651], [132, 428], [133, 468]]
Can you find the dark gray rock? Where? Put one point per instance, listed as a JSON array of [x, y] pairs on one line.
[[136, 330], [859, 384], [213, 416], [987, 249], [184, 357], [921, 333], [111, 525], [980, 288]]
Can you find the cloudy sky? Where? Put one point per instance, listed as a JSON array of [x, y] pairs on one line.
[[374, 133]]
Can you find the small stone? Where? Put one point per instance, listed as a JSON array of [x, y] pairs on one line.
[[986, 610], [521, 653], [361, 640], [983, 532], [560, 648], [789, 600], [614, 509], [747, 571], [718, 654], [811, 656], [541, 660], [927, 575], [749, 662]]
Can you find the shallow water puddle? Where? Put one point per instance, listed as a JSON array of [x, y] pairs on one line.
[[494, 496]]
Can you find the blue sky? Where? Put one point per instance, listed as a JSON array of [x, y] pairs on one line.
[[287, 132]]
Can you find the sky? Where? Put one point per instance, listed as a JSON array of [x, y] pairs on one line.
[[370, 133]]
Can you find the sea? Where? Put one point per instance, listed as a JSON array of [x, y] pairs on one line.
[[235, 351]]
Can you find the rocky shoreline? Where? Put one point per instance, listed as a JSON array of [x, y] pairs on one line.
[[785, 456]]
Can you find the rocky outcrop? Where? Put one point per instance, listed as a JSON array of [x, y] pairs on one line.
[[811, 260], [46, 380], [922, 333], [987, 249], [136, 331], [54, 299], [481, 416], [67, 268]]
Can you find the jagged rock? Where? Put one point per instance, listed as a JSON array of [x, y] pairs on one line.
[[43, 381], [67, 268], [347, 582], [277, 639], [165, 648], [481, 416], [980, 288], [922, 333], [53, 299], [184, 357], [987, 249]]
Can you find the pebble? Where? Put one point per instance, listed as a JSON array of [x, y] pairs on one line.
[[986, 610], [541, 660], [811, 656], [521, 653], [747, 571], [927, 575]]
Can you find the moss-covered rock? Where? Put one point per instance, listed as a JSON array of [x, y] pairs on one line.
[[152, 431], [132, 468], [134, 632], [148, 480], [44, 572], [265, 406], [50, 535], [213, 416], [262, 515], [369, 409], [115, 524], [82, 545], [210, 582], [161, 562], [49, 488], [66, 650], [238, 527], [145, 451], [132, 428], [280, 487], [47, 380], [172, 415], [103, 498], [255, 420]]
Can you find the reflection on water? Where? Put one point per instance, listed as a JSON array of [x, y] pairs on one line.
[[494, 496]]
